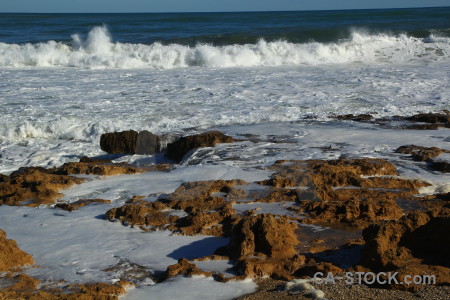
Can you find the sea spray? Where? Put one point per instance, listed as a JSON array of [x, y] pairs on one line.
[[98, 51]]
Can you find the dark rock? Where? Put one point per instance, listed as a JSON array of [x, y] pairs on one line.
[[130, 142], [147, 143], [180, 147], [430, 118], [440, 165], [357, 118]]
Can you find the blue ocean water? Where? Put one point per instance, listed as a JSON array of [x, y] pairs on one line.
[[227, 28]]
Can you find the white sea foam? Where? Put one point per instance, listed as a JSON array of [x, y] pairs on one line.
[[98, 51], [51, 115]]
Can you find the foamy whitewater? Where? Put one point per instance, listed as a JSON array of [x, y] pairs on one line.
[[56, 103], [99, 52], [277, 92]]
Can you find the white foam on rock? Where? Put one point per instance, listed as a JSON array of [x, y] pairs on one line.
[[123, 187], [77, 246]]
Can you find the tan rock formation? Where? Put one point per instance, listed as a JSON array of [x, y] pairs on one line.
[[11, 257]]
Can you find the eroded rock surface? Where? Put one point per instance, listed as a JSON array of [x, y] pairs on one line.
[[36, 185], [26, 287], [420, 153], [265, 235], [416, 244], [180, 147], [11, 257]]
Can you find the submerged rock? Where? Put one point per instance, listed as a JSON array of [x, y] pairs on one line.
[[420, 153], [130, 142], [80, 203], [34, 186], [180, 147], [185, 268], [27, 287], [432, 118]]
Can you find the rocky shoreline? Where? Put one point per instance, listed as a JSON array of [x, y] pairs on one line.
[[379, 221]]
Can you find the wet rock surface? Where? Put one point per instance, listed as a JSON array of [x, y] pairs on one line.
[[35, 186], [420, 153], [80, 203], [343, 193], [413, 245], [130, 142], [11, 256], [26, 287], [180, 147]]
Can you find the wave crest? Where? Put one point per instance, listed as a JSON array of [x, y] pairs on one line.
[[98, 51]]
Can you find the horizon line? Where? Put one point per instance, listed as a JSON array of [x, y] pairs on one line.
[[229, 11]]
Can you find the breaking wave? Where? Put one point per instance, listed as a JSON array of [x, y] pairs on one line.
[[98, 51]]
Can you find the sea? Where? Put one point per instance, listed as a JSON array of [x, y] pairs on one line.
[[273, 80]]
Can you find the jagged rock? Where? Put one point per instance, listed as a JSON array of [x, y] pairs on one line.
[[80, 203], [357, 118], [143, 213], [264, 234], [11, 256], [147, 143], [420, 153], [185, 268], [417, 242], [180, 147], [26, 287], [97, 168], [130, 142], [34, 186], [257, 267], [357, 213]]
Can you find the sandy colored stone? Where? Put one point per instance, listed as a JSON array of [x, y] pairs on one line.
[[26, 287], [11, 257], [185, 268], [34, 186], [415, 243], [258, 267], [264, 234], [354, 212], [142, 213], [95, 168], [420, 153], [434, 118]]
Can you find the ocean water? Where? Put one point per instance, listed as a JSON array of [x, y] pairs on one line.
[[67, 78], [272, 79]]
